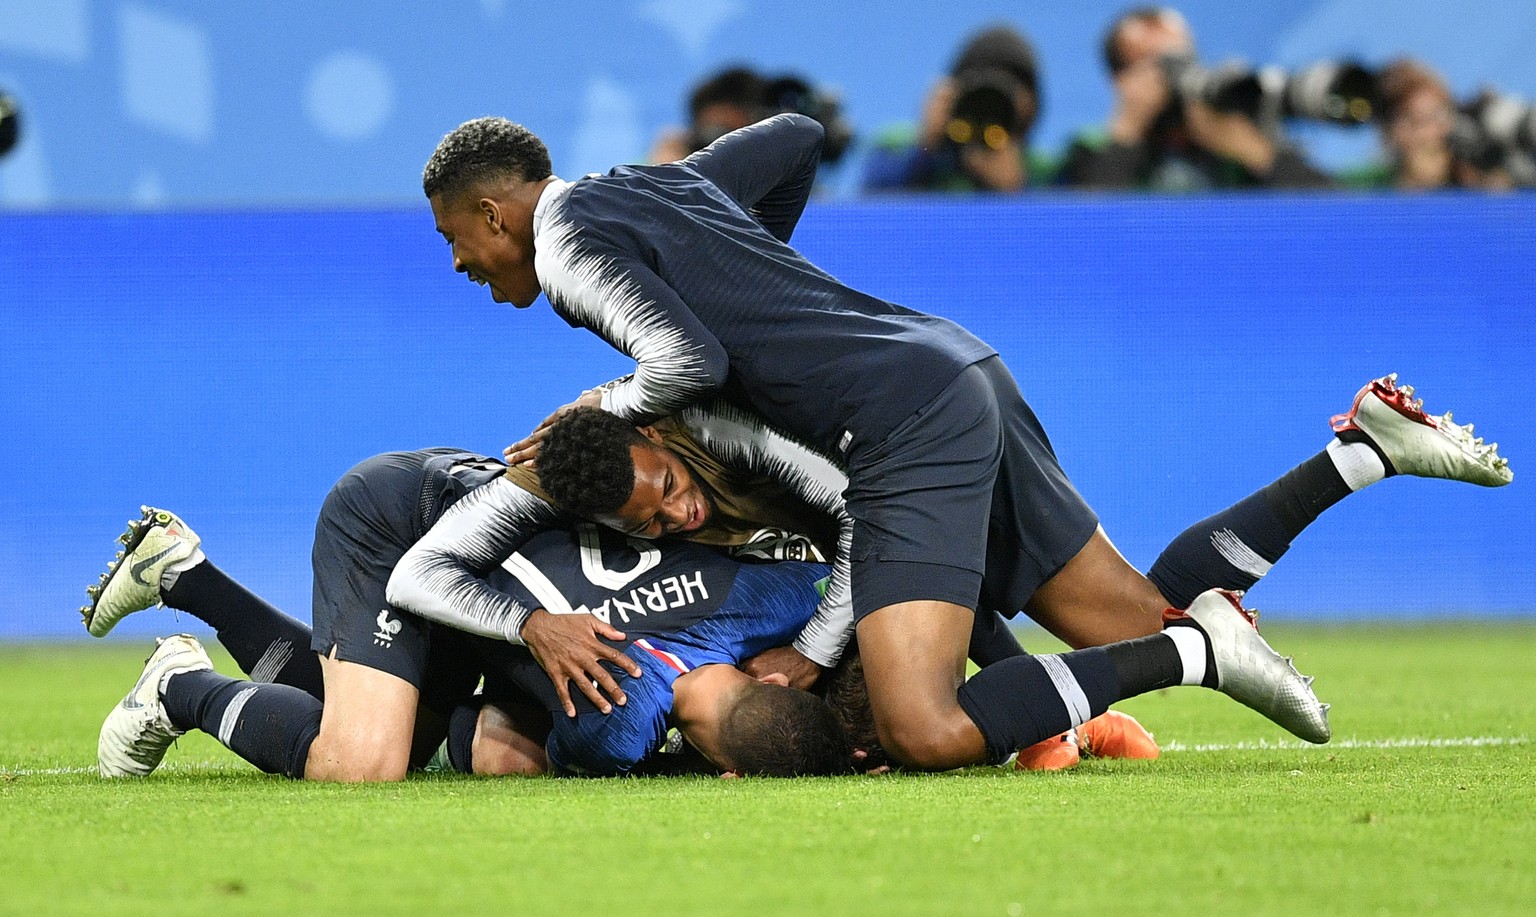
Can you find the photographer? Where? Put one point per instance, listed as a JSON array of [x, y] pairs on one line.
[[730, 99], [1157, 140], [10, 122], [1418, 117], [975, 125], [738, 96]]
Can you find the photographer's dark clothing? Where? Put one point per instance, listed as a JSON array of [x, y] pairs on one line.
[[1172, 164], [897, 163]]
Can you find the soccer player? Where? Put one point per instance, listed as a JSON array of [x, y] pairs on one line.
[[368, 660], [951, 479]]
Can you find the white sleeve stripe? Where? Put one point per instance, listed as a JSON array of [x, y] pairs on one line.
[[669, 372], [742, 439], [437, 578]]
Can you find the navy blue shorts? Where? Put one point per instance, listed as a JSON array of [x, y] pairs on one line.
[[963, 503], [368, 521]]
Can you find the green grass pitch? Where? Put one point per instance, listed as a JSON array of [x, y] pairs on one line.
[[1425, 803]]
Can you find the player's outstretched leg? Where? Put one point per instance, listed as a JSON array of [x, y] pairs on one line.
[[1246, 668], [1385, 432], [1020, 701], [270, 725], [155, 542], [162, 563], [1389, 417], [137, 732]]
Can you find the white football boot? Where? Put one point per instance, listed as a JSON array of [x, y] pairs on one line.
[[152, 543], [136, 734], [1417, 443], [1252, 673]]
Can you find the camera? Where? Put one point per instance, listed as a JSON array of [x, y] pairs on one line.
[[738, 96], [1491, 126], [1336, 92], [790, 93], [986, 109], [10, 122]]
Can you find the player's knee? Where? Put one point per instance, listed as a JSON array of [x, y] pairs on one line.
[[509, 740], [343, 759], [930, 742], [492, 759]]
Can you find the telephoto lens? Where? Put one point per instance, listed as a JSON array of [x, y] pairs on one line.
[[10, 122]]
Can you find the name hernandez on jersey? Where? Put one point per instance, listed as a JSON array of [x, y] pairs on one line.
[[680, 605], [627, 582]]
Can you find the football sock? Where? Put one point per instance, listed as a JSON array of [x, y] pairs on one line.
[[271, 726], [992, 640], [1236, 547], [462, 724], [1359, 460], [1020, 701], [268, 645], [1026, 699], [1197, 659]]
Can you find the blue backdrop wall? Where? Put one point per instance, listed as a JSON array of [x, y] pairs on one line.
[[155, 102], [231, 365]]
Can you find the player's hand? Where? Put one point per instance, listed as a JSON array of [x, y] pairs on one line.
[[525, 450], [787, 661], [568, 648], [1230, 134], [861, 764], [997, 170]]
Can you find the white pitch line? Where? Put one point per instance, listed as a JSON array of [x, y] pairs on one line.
[[1289, 744], [46, 771]]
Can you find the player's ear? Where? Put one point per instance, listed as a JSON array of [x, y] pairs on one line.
[[775, 678], [491, 212], [650, 433]]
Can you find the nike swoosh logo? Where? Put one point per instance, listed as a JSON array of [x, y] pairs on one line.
[[129, 703], [145, 564]]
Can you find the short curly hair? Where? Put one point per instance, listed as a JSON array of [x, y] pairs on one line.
[[777, 731], [847, 695], [482, 150], [584, 463]]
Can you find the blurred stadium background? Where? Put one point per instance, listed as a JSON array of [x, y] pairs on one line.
[[219, 285]]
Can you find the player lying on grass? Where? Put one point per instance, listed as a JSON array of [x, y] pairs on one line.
[[370, 662], [650, 484]]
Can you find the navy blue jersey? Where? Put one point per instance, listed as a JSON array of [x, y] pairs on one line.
[[680, 606], [686, 268]]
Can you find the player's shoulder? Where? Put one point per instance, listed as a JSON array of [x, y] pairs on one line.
[[627, 206]]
